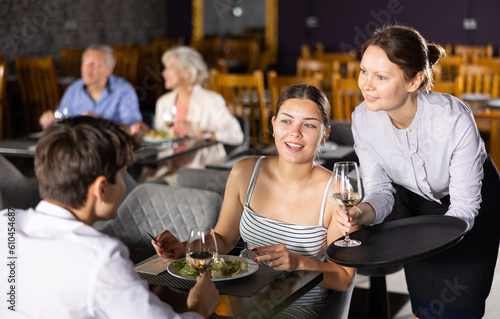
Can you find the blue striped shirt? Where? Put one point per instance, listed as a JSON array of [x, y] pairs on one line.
[[118, 102]]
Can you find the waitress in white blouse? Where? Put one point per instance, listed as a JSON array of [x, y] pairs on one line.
[[426, 146]]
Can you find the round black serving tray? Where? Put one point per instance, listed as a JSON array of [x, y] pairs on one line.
[[400, 241]]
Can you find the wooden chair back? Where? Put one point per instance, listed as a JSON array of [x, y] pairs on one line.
[[245, 96], [493, 62], [308, 68], [308, 52], [3, 95], [148, 75], [209, 48], [469, 52], [339, 61], [448, 47], [243, 50], [39, 88], [349, 71], [494, 145], [164, 44], [220, 65], [480, 79], [127, 61], [455, 87], [71, 62], [447, 68], [277, 84], [346, 95]]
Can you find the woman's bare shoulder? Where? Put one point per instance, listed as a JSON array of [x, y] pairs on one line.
[[322, 172], [243, 169]]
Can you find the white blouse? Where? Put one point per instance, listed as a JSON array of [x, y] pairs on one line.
[[441, 153]]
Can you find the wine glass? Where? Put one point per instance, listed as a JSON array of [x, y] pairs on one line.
[[61, 113], [347, 192], [201, 251], [169, 117]]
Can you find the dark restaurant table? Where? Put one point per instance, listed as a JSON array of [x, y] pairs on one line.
[[281, 291], [149, 154]]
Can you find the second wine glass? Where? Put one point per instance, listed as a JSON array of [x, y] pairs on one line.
[[201, 250], [347, 192], [169, 117]]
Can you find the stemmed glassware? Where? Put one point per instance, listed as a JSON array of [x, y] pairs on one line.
[[201, 252], [346, 191], [169, 117], [61, 113]]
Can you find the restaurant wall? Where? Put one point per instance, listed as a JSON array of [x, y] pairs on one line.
[[39, 28], [342, 25]]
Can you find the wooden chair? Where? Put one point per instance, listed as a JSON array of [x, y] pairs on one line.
[[39, 89], [352, 69], [455, 87], [338, 58], [308, 52], [447, 68], [209, 48], [494, 145], [245, 51], [346, 95], [480, 79], [148, 76], [277, 84], [448, 47], [164, 44], [245, 96], [127, 61], [468, 52], [3, 97], [307, 68], [71, 61], [220, 65], [493, 62]]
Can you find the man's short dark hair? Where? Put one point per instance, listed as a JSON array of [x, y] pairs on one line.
[[72, 153]]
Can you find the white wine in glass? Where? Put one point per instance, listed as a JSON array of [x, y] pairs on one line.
[[346, 191], [201, 251], [169, 117]]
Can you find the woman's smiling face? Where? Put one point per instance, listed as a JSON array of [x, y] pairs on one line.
[[382, 82], [298, 129]]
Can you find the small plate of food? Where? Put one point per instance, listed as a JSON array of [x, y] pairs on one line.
[[226, 267]]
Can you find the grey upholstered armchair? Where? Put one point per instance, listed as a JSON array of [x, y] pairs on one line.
[[16, 190], [153, 208]]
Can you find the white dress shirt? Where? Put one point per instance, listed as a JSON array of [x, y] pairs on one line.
[[66, 269], [441, 153], [208, 112]]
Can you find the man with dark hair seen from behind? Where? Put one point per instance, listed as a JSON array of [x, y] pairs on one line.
[[66, 268]]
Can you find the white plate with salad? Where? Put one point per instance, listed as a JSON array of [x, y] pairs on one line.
[[226, 268], [159, 136]]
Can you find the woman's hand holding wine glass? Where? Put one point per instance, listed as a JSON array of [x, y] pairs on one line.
[[346, 191]]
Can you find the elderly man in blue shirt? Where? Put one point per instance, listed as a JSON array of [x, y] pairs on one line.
[[99, 92]]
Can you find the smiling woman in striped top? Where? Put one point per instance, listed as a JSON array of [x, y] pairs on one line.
[[280, 204]]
